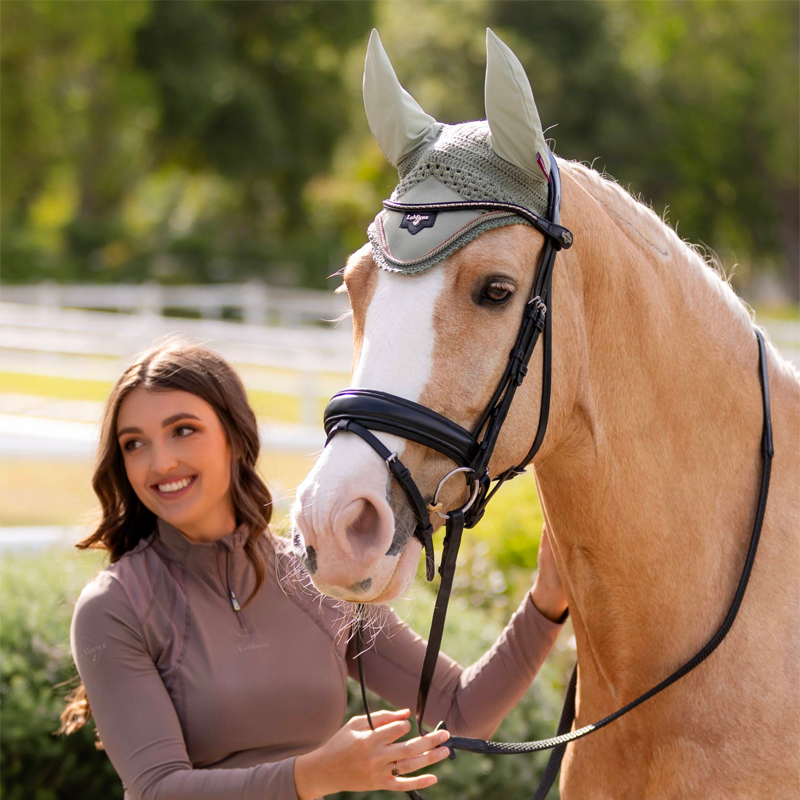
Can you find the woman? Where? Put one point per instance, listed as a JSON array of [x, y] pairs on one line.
[[200, 693]]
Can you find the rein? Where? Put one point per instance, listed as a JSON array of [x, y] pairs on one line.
[[360, 411]]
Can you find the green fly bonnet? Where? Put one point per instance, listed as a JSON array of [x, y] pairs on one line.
[[502, 159]]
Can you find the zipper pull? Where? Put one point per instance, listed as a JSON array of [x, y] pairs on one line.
[[235, 602]]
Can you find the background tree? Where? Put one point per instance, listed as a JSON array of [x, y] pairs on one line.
[[719, 139], [219, 140]]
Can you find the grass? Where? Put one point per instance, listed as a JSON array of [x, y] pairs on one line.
[[70, 500], [55, 387], [512, 524], [785, 311], [38, 492], [268, 405]]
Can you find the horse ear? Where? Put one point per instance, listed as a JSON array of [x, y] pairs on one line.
[[396, 120], [516, 132]]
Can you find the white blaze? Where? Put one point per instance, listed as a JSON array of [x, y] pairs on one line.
[[396, 357], [397, 346]]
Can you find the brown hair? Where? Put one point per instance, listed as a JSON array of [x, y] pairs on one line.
[[173, 362]]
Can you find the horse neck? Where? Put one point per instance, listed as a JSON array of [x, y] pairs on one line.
[[650, 488]]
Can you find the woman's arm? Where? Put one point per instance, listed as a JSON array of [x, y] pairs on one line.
[[473, 701], [548, 594], [135, 717], [143, 738]]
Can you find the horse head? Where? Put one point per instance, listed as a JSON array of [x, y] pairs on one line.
[[437, 300]]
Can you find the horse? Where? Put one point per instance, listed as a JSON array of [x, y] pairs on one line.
[[648, 474]]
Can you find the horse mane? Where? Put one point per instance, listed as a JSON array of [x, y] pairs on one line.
[[639, 220]]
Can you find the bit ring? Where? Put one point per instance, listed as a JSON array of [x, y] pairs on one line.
[[436, 505]]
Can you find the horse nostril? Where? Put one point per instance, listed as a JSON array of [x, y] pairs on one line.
[[311, 560], [360, 519]]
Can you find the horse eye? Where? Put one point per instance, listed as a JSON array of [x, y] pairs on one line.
[[497, 293]]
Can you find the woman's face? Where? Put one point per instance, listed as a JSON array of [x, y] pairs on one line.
[[178, 460]]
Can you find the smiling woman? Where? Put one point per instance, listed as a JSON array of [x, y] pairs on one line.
[[174, 465], [210, 673]]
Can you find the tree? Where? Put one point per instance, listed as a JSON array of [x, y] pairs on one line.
[[725, 122]]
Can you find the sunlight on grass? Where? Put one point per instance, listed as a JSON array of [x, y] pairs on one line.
[[39, 492], [55, 387], [513, 524], [785, 311], [266, 405]]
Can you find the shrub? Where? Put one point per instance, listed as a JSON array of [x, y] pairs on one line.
[[38, 594]]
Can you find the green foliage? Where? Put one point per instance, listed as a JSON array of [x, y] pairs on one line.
[[168, 139], [38, 594], [719, 136], [211, 140]]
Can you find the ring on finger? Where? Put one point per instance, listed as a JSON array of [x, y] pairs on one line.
[[396, 772]]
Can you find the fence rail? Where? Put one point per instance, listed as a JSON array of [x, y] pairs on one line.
[[255, 302], [307, 363]]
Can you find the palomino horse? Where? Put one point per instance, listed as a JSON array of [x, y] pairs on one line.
[[648, 475]]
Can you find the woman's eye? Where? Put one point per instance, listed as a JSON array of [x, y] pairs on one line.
[[127, 446], [185, 428], [497, 293]]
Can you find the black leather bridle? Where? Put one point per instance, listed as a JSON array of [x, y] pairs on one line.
[[361, 411]]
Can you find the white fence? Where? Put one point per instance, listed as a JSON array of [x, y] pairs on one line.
[[254, 302], [308, 363]]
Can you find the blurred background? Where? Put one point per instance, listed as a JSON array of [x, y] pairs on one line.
[[207, 167]]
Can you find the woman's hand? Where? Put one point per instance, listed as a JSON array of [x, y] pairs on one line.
[[357, 759], [548, 594]]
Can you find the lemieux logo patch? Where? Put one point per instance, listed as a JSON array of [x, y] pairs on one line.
[[92, 650], [414, 223]]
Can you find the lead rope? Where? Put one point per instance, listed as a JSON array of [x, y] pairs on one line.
[[559, 742]]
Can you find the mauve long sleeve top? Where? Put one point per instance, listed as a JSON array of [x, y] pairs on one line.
[[196, 700]]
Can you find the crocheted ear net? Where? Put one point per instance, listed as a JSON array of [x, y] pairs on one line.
[[458, 165]]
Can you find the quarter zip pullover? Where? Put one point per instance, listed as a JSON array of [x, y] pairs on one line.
[[196, 697]]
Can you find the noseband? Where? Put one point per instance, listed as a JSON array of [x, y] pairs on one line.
[[361, 411]]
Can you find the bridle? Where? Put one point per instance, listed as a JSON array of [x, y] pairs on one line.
[[360, 411]]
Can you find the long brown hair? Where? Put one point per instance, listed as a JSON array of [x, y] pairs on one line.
[[173, 362]]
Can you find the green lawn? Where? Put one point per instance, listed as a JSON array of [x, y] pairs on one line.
[[269, 405], [784, 311], [59, 492], [55, 387]]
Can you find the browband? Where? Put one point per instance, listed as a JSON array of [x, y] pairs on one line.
[[561, 236]]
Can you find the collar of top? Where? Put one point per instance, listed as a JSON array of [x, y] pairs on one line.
[[179, 547]]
